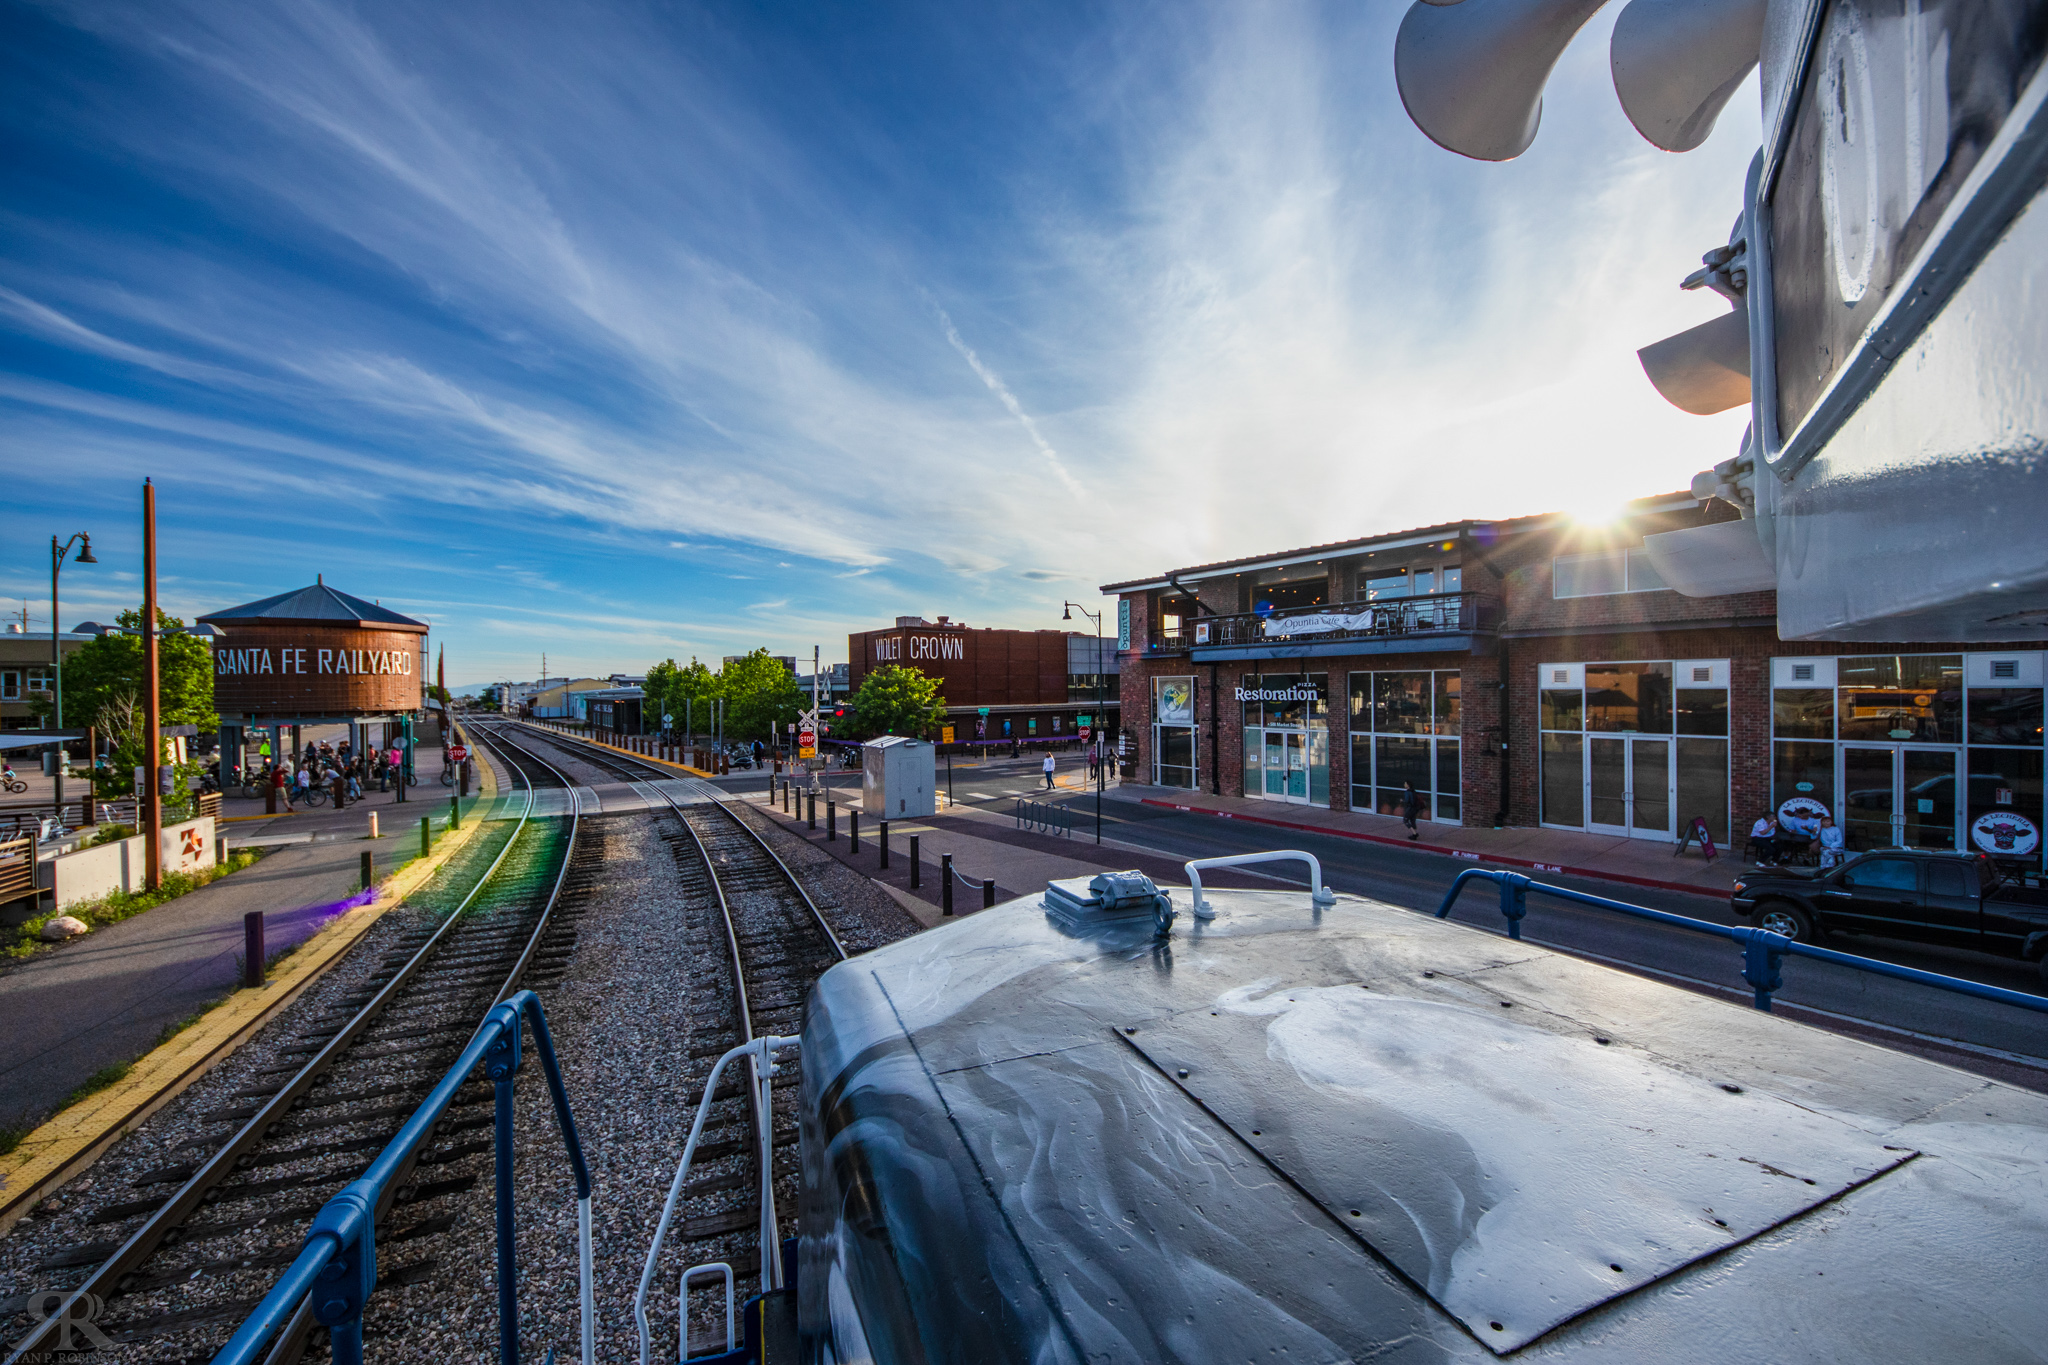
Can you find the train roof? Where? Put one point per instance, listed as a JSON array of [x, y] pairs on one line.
[[1359, 1132]]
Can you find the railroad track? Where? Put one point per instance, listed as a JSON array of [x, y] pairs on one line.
[[236, 1209], [760, 943]]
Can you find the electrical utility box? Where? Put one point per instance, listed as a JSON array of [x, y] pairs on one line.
[[897, 778]]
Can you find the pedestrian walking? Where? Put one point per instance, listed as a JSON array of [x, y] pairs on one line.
[[1411, 806], [1048, 770], [280, 782]]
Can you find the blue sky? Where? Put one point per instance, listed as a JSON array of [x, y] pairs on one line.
[[623, 331]]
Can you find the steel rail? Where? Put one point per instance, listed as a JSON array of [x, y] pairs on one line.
[[145, 1240], [760, 1067], [610, 760]]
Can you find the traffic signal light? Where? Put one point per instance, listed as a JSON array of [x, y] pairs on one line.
[[1883, 276]]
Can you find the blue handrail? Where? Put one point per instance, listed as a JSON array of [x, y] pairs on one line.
[[1762, 950], [338, 1265]]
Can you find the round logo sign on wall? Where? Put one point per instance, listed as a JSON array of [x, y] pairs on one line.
[[2002, 833], [1803, 808]]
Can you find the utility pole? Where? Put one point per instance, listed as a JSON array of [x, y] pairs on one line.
[[151, 799]]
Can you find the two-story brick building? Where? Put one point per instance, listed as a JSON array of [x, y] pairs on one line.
[[1538, 672]]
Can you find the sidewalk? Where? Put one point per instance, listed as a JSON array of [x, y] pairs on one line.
[[107, 998], [1633, 862]]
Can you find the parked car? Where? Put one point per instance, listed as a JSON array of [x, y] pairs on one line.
[[1961, 900]]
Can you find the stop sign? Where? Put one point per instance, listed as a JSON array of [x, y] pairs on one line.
[[807, 737], [458, 752], [1084, 732]]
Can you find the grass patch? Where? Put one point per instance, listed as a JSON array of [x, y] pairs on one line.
[[178, 1026], [122, 905], [100, 1080], [11, 1135]]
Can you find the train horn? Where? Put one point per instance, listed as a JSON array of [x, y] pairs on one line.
[[1676, 62], [1471, 74]]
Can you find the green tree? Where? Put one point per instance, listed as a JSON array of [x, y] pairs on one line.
[[897, 701], [760, 694], [103, 688], [669, 686]]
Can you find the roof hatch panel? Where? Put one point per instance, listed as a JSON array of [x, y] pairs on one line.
[[1519, 1175]]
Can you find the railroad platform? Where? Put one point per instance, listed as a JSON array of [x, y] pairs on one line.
[[1633, 862], [107, 998]]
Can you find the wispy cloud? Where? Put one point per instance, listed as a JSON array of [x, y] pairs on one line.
[[648, 295], [1001, 390]]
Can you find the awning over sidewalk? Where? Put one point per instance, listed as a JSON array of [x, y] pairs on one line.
[[33, 739]]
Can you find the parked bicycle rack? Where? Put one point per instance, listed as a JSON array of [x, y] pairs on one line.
[[337, 1267], [1762, 950], [1048, 818]]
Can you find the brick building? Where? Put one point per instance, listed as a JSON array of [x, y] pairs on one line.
[[1538, 672], [1000, 685]]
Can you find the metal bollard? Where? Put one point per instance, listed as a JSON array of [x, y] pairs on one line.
[[373, 826], [853, 831], [884, 837], [454, 813], [813, 794], [252, 948], [914, 864], [831, 820], [946, 876], [220, 850], [465, 779], [270, 800], [988, 892], [369, 870], [426, 836], [785, 796]]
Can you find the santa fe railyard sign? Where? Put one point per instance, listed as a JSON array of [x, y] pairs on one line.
[[310, 670]]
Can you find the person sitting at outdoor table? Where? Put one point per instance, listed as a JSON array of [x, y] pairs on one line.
[[1798, 832], [1832, 850], [1763, 838]]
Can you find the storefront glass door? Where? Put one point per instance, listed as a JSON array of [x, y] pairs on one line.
[[1628, 786], [1896, 796], [1285, 766]]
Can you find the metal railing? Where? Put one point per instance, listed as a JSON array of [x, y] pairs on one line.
[[1443, 613], [762, 1051], [1044, 817], [1320, 896], [1762, 950], [338, 1266]]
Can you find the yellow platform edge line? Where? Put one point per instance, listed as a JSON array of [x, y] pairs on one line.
[[67, 1146], [629, 753]]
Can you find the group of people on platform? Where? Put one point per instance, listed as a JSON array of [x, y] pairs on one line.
[[338, 769], [1775, 838]]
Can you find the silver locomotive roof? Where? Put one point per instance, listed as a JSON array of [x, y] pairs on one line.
[[1356, 1132]]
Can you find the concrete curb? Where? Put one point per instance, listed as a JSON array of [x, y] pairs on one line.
[[74, 1138], [1462, 854]]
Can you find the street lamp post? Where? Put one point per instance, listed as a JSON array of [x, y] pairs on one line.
[[57, 552], [1067, 614]]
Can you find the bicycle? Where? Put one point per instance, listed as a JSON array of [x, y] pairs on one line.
[[315, 795], [13, 783]]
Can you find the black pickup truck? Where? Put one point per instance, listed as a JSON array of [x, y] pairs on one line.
[[1958, 899]]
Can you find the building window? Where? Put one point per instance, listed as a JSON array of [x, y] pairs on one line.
[[1603, 573], [1641, 748], [1405, 729], [10, 685], [1914, 699], [1286, 719], [38, 680], [1376, 585]]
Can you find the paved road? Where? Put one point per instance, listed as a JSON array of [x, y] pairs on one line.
[[1989, 1038]]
